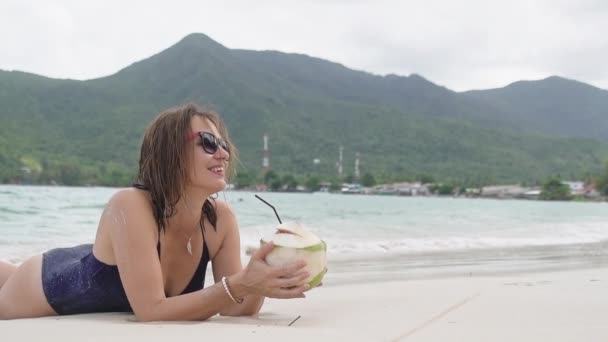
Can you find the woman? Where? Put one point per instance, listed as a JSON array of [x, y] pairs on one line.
[[154, 240]]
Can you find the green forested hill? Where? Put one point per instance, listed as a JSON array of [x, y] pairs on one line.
[[89, 131], [555, 105]]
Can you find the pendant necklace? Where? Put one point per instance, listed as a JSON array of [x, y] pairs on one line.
[[189, 246]]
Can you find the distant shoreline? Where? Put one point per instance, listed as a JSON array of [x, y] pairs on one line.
[[579, 199]]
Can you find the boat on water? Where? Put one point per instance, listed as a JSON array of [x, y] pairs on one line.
[[352, 188]]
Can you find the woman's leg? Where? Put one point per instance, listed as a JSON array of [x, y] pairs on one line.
[[6, 270], [22, 296]]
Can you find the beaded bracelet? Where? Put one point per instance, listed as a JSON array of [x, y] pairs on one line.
[[225, 283]]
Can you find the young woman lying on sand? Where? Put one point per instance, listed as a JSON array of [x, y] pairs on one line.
[[154, 241]]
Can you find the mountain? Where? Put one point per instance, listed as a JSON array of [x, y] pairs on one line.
[[555, 105], [402, 126]]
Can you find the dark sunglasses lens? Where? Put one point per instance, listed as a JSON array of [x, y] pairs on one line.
[[209, 143], [223, 145]]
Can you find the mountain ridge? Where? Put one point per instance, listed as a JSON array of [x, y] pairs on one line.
[[403, 126]]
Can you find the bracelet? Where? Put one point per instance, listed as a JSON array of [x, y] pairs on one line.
[[225, 283]]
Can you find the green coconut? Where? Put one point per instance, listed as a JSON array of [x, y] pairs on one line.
[[293, 242]]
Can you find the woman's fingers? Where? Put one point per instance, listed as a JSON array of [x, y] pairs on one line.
[[289, 269], [294, 292], [296, 280], [261, 253], [286, 281]]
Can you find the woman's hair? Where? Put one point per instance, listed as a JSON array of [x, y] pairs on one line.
[[166, 156]]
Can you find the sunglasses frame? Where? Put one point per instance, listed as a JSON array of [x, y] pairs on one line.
[[217, 142]]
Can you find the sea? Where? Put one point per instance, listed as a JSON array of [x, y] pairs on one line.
[[368, 237]]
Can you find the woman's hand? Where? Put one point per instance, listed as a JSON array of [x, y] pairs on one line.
[[259, 278]]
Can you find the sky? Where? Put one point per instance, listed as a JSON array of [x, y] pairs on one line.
[[462, 45]]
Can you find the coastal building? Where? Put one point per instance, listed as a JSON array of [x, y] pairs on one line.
[[412, 189], [401, 189], [504, 191], [576, 188], [532, 194], [591, 192]]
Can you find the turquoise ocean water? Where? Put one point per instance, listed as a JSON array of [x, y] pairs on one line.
[[371, 235]]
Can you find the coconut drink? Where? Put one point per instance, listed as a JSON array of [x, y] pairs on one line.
[[293, 242]]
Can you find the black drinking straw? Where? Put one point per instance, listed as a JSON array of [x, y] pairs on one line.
[[270, 205]]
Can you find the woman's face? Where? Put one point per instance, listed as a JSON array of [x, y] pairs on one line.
[[208, 170]]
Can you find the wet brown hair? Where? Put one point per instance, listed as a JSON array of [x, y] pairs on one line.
[[166, 156]]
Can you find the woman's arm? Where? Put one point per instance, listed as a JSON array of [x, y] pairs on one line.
[[133, 237], [227, 263]]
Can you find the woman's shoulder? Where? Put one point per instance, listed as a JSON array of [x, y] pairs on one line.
[[224, 212], [127, 212], [221, 206], [130, 198]]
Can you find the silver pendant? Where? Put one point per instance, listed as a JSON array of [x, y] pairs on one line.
[[189, 246]]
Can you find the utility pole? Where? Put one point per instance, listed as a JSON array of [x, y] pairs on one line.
[[357, 174], [265, 159], [340, 163]]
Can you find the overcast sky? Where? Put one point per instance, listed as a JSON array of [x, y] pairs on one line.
[[466, 44]]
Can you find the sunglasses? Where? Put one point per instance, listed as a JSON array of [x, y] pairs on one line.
[[210, 142]]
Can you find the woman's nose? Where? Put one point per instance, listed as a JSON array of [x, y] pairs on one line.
[[222, 154]]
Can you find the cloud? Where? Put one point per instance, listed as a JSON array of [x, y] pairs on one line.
[[461, 45]]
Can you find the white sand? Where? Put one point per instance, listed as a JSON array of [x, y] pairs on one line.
[[556, 306]]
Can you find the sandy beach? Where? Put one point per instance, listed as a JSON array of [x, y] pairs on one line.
[[569, 305]]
